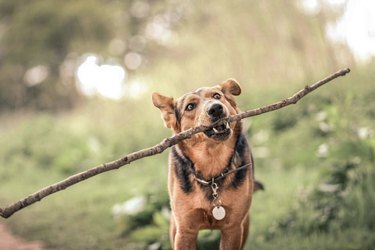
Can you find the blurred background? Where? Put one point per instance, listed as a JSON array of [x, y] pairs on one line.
[[76, 79]]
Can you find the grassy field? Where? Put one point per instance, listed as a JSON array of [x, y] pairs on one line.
[[296, 151]]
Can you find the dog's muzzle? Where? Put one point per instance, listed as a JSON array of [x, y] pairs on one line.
[[221, 131]]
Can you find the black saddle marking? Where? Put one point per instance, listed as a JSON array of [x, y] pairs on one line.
[[241, 148], [182, 168]]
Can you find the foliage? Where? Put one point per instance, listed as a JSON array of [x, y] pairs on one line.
[[42, 42], [40, 35], [345, 196], [49, 37], [148, 223], [251, 41]]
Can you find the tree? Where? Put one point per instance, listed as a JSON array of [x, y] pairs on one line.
[[39, 41]]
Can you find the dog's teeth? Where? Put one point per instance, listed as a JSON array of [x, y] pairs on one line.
[[215, 130], [227, 125]]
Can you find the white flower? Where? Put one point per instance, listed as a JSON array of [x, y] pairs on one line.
[[323, 150], [129, 207], [364, 133]]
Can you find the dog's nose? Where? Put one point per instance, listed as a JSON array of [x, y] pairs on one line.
[[216, 110]]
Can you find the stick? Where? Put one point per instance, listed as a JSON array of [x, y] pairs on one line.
[[158, 148]]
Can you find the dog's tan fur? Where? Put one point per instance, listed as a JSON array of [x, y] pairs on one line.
[[190, 201]]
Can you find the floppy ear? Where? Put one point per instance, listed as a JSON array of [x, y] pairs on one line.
[[166, 106], [231, 87]]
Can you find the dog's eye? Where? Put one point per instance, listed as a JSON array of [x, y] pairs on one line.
[[190, 107], [216, 96]]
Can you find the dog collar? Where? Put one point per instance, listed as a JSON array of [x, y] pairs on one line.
[[219, 177]]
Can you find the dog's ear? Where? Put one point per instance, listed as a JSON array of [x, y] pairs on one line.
[[231, 87], [166, 106]]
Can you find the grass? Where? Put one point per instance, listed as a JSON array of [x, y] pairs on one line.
[[79, 217]]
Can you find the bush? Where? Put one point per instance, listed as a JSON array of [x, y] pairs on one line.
[[144, 219], [344, 199]]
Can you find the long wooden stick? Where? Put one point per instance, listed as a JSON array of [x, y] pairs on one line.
[[158, 148]]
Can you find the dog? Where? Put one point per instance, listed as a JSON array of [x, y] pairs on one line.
[[211, 175]]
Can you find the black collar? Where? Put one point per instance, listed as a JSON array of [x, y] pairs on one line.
[[220, 176]]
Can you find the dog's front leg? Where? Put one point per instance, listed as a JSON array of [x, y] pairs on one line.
[[185, 240], [172, 231], [231, 238]]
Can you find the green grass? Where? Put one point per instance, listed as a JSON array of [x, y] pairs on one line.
[[79, 217]]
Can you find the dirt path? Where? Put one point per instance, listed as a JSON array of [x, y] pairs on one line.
[[9, 241]]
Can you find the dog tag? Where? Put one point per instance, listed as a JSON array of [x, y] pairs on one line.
[[218, 212]]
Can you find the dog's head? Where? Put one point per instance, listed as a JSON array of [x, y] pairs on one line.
[[202, 107]]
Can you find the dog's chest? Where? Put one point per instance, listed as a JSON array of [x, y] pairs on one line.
[[232, 201], [211, 161]]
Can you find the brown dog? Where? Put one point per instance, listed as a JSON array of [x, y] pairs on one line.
[[211, 179]]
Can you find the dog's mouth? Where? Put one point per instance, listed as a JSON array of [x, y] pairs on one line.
[[220, 132]]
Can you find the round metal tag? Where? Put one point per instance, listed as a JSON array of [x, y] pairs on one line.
[[218, 212]]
